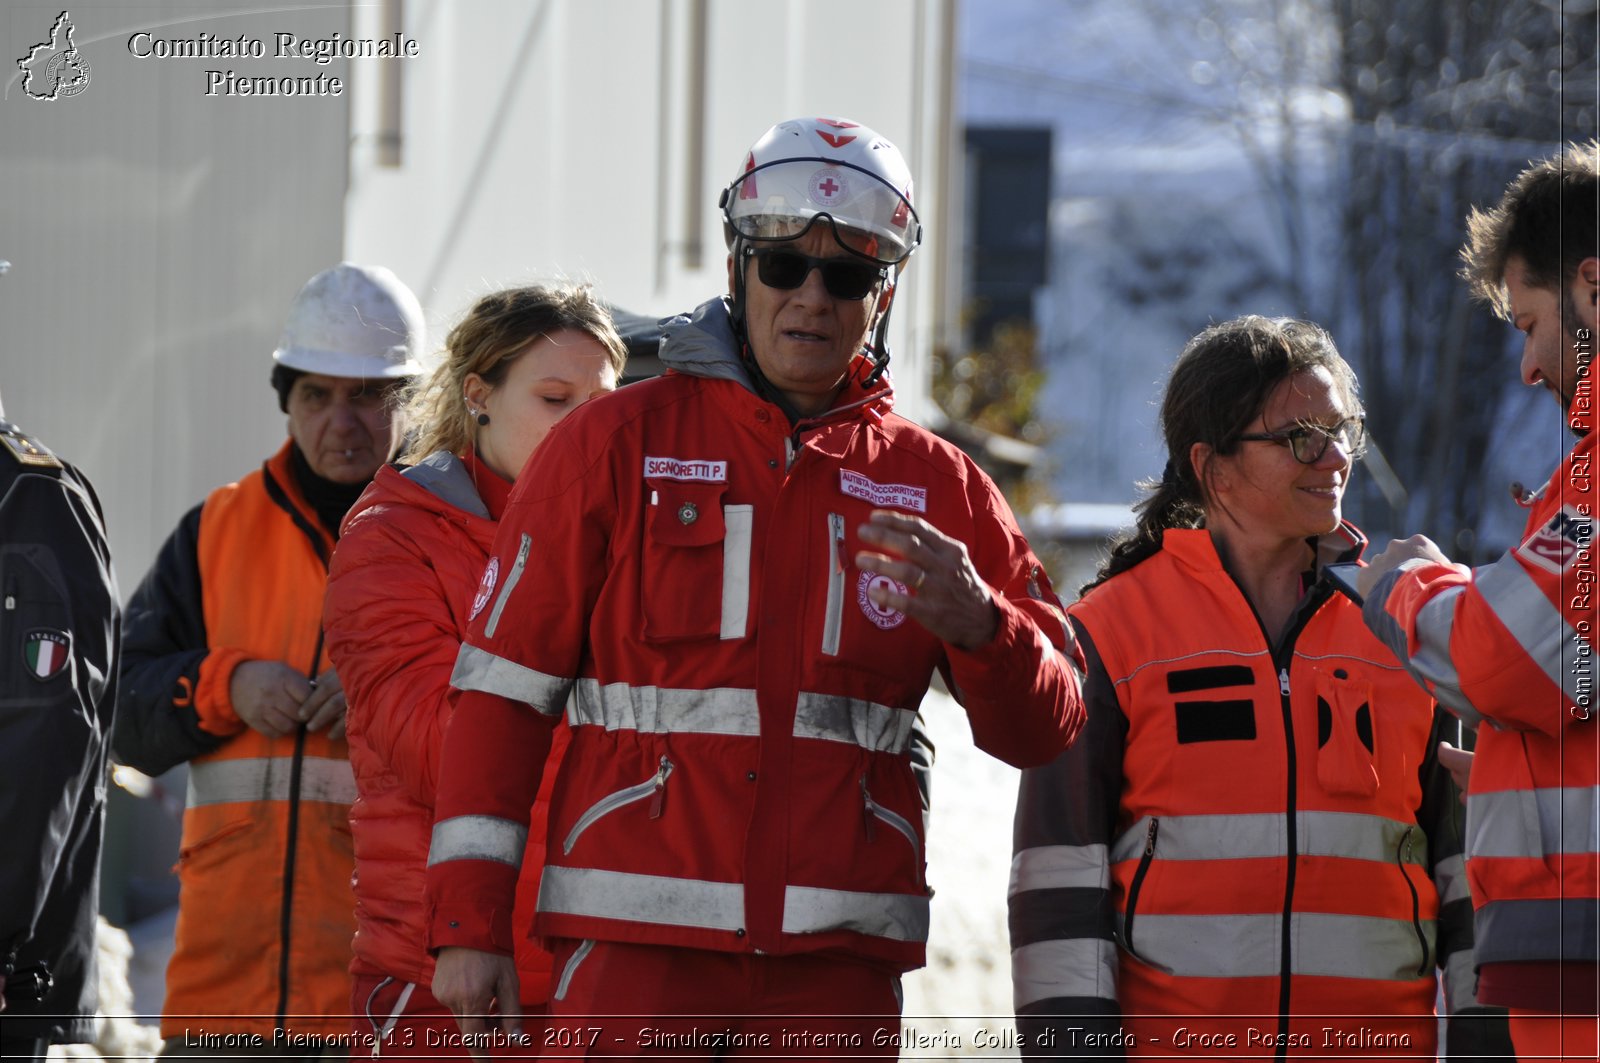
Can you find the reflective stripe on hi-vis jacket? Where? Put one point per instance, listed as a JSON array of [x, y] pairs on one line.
[[325, 779], [1249, 828]]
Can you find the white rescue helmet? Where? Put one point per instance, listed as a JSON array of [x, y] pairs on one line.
[[810, 168], [353, 321]]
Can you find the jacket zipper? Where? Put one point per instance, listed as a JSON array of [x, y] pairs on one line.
[[291, 848], [1138, 882], [654, 788], [834, 620], [523, 549], [319, 545], [872, 811], [1402, 850]]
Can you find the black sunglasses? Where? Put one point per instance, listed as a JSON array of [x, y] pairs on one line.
[[1308, 442], [844, 278]]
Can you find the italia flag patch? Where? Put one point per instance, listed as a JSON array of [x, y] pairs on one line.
[[46, 650]]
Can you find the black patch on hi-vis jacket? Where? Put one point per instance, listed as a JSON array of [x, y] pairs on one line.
[[1216, 721], [1325, 724], [1188, 680]]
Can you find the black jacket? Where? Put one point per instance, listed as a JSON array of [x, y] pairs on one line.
[[59, 641]]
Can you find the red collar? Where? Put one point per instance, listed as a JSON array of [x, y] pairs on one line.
[[494, 490]]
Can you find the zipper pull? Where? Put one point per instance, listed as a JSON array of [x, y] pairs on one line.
[[1150, 836], [1283, 681], [659, 799], [868, 820]]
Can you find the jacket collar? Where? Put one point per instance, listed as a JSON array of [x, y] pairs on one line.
[[1194, 548], [703, 344]]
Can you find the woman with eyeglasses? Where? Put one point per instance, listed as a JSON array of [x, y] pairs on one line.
[[1252, 851]]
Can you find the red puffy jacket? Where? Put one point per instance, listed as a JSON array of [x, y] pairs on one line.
[[400, 588]]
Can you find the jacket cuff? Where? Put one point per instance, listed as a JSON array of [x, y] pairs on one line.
[[468, 904], [1015, 630], [211, 701]]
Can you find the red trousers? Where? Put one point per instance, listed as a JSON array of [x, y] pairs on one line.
[[649, 1002], [399, 1020], [1542, 1036]]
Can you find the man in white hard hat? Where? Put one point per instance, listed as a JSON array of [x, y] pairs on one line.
[[744, 573], [223, 668]]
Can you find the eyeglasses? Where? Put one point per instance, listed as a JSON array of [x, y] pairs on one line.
[[1309, 442], [844, 278]]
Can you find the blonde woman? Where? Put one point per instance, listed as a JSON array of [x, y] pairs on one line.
[[409, 574]]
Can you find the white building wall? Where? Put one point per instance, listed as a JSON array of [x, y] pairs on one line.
[[573, 138], [157, 236]]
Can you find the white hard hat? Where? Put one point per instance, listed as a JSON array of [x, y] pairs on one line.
[[353, 321], [810, 168]]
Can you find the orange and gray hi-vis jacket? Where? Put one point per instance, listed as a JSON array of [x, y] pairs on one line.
[[1253, 839], [265, 912], [1510, 647]]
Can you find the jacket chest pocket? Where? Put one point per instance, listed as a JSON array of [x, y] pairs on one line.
[[1347, 756], [695, 581]]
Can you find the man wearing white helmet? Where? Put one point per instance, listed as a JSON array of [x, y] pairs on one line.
[[744, 574], [223, 668]]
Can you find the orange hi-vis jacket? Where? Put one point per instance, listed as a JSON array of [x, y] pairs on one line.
[[1511, 647], [1252, 851], [265, 913]]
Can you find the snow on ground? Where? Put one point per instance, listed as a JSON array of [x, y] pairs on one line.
[[117, 1034]]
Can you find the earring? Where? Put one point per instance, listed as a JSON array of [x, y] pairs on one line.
[[481, 416]]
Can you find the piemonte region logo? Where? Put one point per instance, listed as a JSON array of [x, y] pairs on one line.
[[55, 69]]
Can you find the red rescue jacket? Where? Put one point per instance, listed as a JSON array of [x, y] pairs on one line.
[[681, 561]]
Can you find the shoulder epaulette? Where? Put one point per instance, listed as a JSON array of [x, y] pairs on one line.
[[25, 450]]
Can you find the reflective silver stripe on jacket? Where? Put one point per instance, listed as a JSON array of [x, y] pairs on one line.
[[478, 838], [1533, 620], [813, 910], [667, 901], [642, 898], [1052, 867], [663, 710], [739, 522], [1265, 834], [481, 670], [732, 711], [1068, 967], [1431, 662], [323, 779], [1531, 824], [1250, 946], [853, 721]]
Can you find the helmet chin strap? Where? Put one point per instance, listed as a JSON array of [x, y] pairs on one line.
[[878, 345]]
